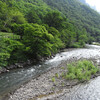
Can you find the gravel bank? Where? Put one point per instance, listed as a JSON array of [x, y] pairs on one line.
[[42, 88]]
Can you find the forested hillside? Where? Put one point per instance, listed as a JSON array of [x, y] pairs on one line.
[[44, 28], [80, 14]]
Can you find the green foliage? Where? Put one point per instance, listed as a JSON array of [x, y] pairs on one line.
[[9, 35], [3, 13], [56, 42], [9, 15], [81, 70], [62, 68], [4, 55], [17, 17], [62, 74], [37, 38], [68, 37], [75, 45], [11, 51], [3, 59], [15, 11], [16, 50], [19, 28], [90, 40], [54, 19], [53, 79], [32, 17], [78, 14], [44, 27], [57, 75]]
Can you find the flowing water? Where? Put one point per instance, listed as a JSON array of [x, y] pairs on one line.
[[13, 79], [88, 91]]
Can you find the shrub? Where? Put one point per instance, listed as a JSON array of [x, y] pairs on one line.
[[81, 70], [75, 45], [3, 59], [53, 79], [57, 75]]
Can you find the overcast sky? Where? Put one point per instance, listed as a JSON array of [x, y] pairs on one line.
[[94, 3]]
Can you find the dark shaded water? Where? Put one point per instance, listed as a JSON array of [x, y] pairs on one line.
[[11, 80]]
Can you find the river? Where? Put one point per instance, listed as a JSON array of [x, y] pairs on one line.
[[86, 91], [15, 78]]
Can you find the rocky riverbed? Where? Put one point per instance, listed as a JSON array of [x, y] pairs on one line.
[[42, 87], [15, 66]]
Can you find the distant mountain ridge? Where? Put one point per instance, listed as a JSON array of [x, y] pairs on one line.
[[78, 14], [82, 15], [84, 2]]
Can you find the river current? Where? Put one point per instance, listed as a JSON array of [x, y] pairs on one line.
[[15, 78]]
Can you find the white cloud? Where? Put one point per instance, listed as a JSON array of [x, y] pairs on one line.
[[94, 3]]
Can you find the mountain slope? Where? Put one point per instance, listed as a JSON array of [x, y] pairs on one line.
[[78, 14], [83, 1], [82, 15], [44, 28]]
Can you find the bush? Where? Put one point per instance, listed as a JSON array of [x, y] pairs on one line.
[[81, 70], [53, 79], [3, 59], [75, 45], [16, 50], [11, 51], [79, 44]]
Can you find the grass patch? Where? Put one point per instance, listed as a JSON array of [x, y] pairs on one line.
[[81, 70], [57, 75], [53, 79]]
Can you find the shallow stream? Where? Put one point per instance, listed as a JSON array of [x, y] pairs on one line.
[[15, 78]]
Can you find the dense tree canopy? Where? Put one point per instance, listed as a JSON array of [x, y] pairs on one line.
[[54, 19], [44, 27]]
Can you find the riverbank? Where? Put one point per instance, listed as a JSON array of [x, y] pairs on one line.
[[15, 66], [15, 78], [43, 88], [28, 62]]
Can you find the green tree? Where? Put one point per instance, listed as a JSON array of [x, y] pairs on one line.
[[3, 15], [16, 50], [36, 39], [3, 59], [19, 28], [18, 17], [4, 54], [54, 19], [68, 37], [56, 42], [32, 17]]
